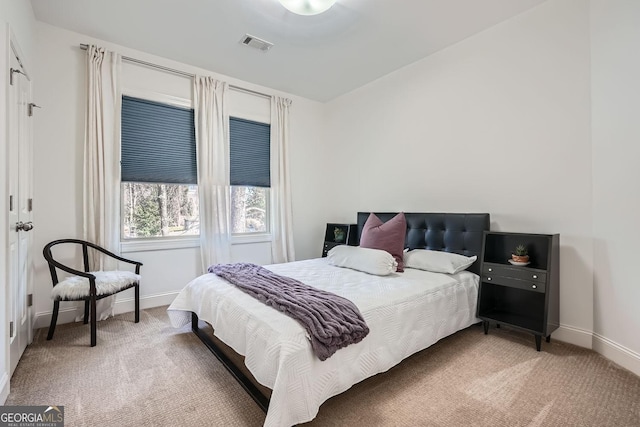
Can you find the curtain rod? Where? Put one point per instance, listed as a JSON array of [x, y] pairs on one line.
[[178, 72]]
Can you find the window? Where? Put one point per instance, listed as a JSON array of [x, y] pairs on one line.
[[159, 192], [250, 175]]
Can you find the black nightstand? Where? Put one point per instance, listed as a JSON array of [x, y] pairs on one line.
[[339, 234], [524, 297]]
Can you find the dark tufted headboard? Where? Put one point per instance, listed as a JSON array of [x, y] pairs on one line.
[[460, 233]]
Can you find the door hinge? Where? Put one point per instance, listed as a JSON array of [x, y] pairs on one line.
[[10, 329], [10, 203], [30, 204], [29, 300]]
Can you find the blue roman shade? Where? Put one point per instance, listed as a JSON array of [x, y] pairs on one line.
[[249, 152], [158, 143]]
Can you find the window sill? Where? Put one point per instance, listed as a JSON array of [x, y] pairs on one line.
[[242, 239], [158, 244], [141, 245]]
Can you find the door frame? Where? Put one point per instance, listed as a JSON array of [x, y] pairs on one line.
[[8, 44], [20, 144], [5, 60]]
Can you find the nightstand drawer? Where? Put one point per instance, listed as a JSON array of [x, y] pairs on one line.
[[521, 273], [515, 283]]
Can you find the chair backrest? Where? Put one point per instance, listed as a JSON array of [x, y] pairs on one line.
[[53, 263]]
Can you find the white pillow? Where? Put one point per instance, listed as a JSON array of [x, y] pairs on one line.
[[437, 261], [372, 261]]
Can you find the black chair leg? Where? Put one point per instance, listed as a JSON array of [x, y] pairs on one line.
[[86, 312], [137, 297], [54, 319], [93, 321]]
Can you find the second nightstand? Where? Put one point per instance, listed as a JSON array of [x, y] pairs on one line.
[[339, 234]]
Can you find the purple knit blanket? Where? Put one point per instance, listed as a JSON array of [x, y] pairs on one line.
[[331, 321]]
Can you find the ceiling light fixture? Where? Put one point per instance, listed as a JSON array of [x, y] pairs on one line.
[[307, 7]]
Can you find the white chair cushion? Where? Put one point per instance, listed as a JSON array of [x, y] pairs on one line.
[[107, 282]]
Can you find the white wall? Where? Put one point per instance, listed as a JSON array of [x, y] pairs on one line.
[[497, 123], [60, 83], [615, 38], [16, 17]]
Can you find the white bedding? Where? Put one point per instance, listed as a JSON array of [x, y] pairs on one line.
[[406, 312]]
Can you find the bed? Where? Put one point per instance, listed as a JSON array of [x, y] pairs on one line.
[[406, 312]]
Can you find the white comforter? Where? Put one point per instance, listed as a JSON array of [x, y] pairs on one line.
[[406, 312]]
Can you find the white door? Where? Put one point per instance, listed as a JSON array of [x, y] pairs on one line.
[[20, 210]]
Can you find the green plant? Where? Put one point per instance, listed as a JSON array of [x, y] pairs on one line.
[[521, 250]]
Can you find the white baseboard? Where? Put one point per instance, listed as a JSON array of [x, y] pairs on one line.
[[573, 335], [124, 305], [617, 353], [613, 351], [4, 388]]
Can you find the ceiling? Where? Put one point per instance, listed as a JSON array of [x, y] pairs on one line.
[[317, 57]]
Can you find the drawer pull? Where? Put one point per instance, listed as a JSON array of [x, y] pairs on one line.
[[491, 269], [534, 286], [535, 276], [489, 278]]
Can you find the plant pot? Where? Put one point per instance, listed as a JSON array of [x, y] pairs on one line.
[[519, 258]]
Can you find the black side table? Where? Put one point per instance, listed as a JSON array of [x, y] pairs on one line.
[[339, 234], [526, 297]]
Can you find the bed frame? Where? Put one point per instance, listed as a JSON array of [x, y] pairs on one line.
[[244, 377], [460, 233]]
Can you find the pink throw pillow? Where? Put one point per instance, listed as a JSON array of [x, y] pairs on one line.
[[388, 236]]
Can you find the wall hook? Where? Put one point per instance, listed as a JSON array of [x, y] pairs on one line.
[[31, 107], [14, 70]]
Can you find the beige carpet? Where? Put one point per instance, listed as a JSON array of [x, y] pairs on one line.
[[149, 374]]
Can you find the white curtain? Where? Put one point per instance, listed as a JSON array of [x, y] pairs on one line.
[[282, 223], [102, 160], [212, 142]]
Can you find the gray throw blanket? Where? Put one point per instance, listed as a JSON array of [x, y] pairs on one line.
[[331, 321]]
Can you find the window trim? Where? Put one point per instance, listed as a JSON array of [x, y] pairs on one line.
[[175, 101]]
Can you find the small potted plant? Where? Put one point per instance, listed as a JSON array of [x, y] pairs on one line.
[[520, 255]]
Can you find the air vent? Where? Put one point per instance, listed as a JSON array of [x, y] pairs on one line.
[[255, 42]]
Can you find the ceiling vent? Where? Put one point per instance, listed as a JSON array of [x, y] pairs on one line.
[[255, 42]]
